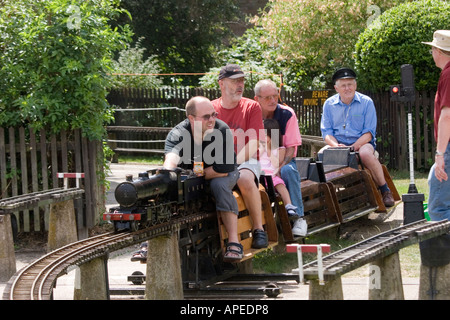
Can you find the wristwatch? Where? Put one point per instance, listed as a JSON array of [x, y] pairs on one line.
[[439, 153]]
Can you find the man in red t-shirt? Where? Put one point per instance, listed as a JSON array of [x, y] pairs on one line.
[[439, 197], [244, 117]]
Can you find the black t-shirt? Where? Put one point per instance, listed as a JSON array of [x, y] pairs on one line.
[[217, 149]]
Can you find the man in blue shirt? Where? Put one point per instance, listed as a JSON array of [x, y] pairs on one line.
[[349, 119]]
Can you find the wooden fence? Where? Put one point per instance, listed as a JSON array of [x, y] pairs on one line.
[[164, 108], [392, 130], [29, 162]]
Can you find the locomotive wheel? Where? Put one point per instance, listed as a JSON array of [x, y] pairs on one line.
[[134, 226], [137, 281], [272, 290]]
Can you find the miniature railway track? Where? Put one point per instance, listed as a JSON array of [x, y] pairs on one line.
[[30, 200], [376, 247], [36, 281]]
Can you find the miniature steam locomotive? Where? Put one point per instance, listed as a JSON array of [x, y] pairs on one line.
[[156, 196]]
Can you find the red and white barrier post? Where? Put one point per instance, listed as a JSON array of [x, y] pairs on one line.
[[66, 176], [309, 248]]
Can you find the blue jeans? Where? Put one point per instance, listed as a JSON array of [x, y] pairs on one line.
[[291, 178], [439, 197]]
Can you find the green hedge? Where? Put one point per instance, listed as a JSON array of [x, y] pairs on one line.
[[55, 57], [395, 39]]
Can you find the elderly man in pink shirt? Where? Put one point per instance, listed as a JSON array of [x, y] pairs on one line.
[[266, 93]]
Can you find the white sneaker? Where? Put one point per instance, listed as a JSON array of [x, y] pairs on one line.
[[300, 228]]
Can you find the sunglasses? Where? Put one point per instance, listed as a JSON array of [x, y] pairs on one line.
[[206, 117]]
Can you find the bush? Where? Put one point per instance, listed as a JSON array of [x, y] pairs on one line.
[[131, 61], [54, 63], [251, 55], [312, 38], [253, 71], [395, 39]]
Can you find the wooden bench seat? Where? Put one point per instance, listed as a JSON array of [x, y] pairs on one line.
[[245, 226], [321, 210], [354, 192]]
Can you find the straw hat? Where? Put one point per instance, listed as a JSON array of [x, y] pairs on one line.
[[441, 40]]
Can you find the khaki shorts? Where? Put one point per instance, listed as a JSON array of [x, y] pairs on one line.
[[254, 166]]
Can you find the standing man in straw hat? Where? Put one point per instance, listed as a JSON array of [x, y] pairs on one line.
[[439, 198]]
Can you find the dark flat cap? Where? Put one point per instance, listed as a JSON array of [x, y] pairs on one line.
[[231, 71], [344, 73]]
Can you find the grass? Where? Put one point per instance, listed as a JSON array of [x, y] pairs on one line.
[[410, 256], [402, 181], [153, 159], [271, 261]]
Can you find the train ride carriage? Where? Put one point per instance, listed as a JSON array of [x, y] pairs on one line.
[[160, 195], [351, 185], [334, 191], [342, 162]]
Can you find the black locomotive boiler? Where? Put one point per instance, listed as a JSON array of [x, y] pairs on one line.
[[156, 196]]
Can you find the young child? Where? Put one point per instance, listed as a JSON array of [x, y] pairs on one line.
[[271, 156]]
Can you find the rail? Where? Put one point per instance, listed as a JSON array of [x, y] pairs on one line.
[[30, 200], [36, 281], [315, 142], [143, 137], [374, 248]]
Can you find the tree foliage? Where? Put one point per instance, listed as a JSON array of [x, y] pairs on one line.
[[395, 39], [185, 35], [316, 36], [253, 57], [133, 71], [55, 56]]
